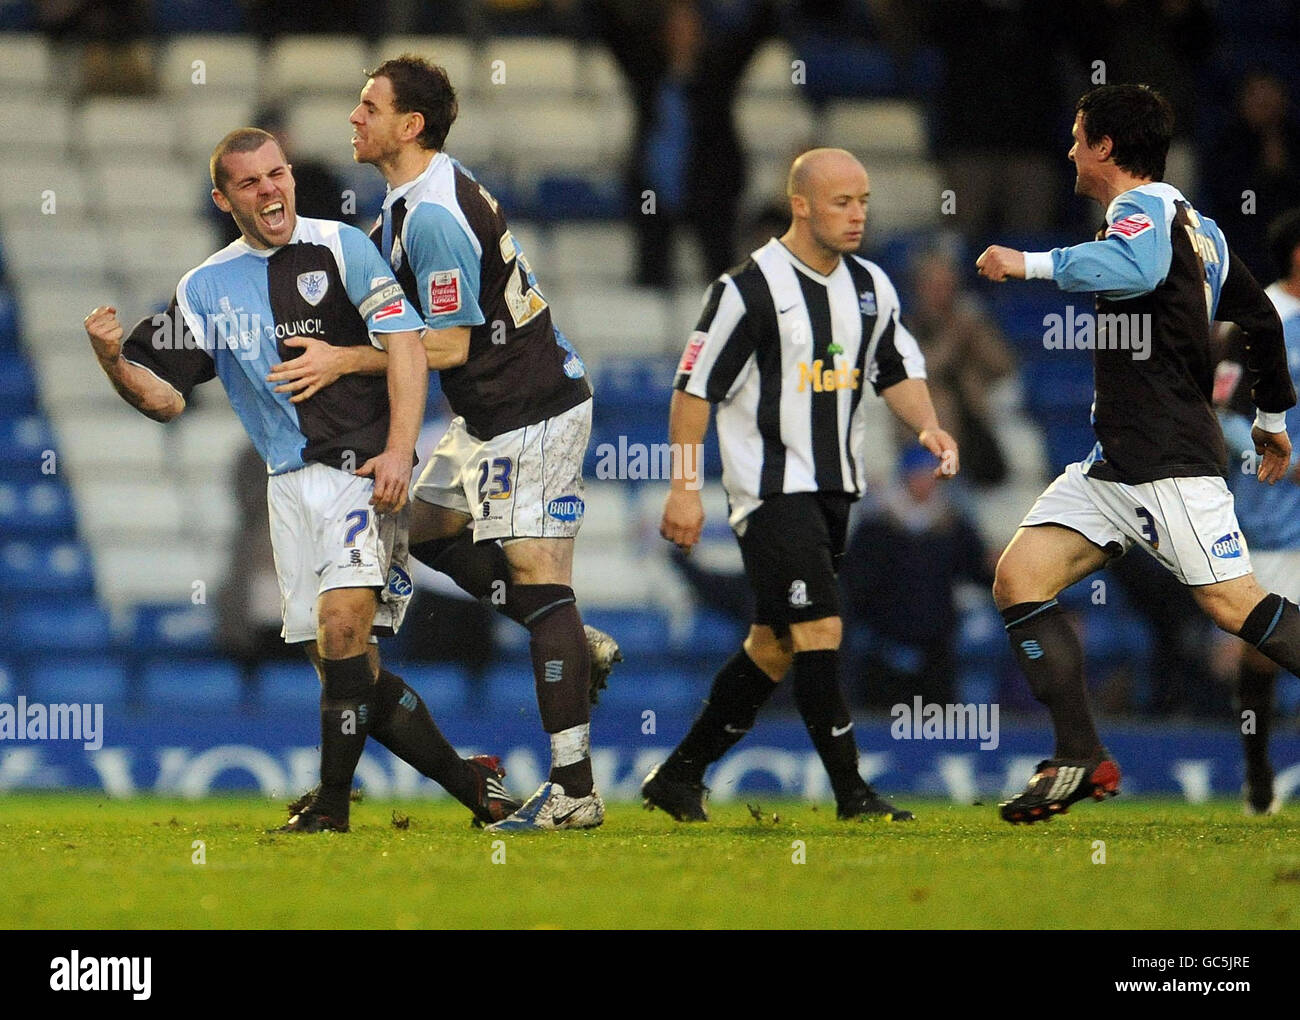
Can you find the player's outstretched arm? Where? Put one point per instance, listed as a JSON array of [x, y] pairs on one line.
[[910, 401], [408, 389], [322, 363], [151, 396], [688, 423]]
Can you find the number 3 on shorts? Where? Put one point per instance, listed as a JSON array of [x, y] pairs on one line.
[[1148, 526], [494, 478]]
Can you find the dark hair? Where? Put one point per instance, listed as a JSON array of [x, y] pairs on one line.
[[245, 139], [1283, 240], [423, 88], [1139, 122]]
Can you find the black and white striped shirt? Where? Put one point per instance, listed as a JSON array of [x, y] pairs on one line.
[[784, 352]]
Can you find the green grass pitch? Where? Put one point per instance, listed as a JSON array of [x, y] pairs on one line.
[[84, 861]]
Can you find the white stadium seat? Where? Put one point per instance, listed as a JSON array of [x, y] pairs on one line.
[[26, 61], [779, 128], [209, 439], [877, 127], [581, 252], [54, 249], [107, 445], [457, 57], [609, 521], [614, 319], [317, 64], [170, 247], [35, 125], [473, 137], [152, 188], [230, 63], [541, 135], [32, 189], [130, 506], [598, 73], [530, 67], [770, 71], [320, 128], [205, 120], [904, 196], [158, 572], [134, 126]]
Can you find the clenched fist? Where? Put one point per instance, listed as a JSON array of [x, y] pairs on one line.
[[105, 332]]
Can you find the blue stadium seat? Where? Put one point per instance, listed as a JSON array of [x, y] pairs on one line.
[[1058, 389], [8, 321], [712, 631], [199, 684], [1068, 443], [443, 686], [58, 569], [17, 384], [184, 16], [41, 508], [8, 679], [852, 69], [568, 197], [24, 440], [510, 688], [100, 679], [658, 690], [182, 626], [290, 686], [640, 632], [68, 626]]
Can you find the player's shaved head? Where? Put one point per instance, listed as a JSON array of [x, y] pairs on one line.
[[817, 167], [246, 139]]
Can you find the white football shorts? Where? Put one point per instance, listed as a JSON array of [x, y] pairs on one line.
[[526, 483], [325, 534], [1188, 524]]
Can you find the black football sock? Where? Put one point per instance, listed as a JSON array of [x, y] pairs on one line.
[[561, 674], [1049, 652], [1255, 695], [344, 711], [739, 690], [820, 700], [1273, 627], [400, 720], [480, 568]]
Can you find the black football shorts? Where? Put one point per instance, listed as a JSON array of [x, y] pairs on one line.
[[792, 546]]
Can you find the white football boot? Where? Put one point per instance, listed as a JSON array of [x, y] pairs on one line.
[[551, 808]]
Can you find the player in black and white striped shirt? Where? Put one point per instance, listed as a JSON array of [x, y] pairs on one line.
[[785, 347]]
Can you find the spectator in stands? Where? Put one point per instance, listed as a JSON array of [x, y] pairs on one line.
[[965, 355], [1256, 167], [320, 192], [116, 57], [683, 60], [997, 126], [898, 575]]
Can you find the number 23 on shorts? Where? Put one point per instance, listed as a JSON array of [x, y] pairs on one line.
[[494, 478]]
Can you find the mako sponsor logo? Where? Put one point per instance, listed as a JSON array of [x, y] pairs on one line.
[[823, 380]]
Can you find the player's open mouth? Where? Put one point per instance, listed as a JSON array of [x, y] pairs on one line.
[[273, 215]]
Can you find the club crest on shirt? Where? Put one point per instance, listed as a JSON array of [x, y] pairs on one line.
[[444, 292], [312, 286]]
